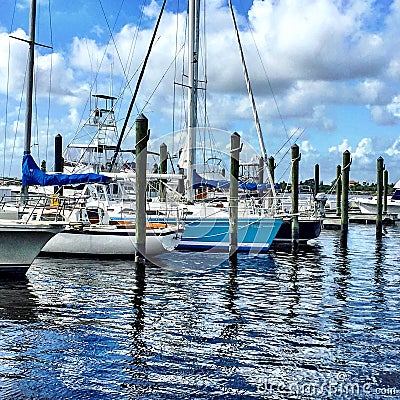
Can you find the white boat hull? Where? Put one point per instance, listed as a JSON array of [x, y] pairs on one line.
[[21, 243], [111, 241], [368, 206]]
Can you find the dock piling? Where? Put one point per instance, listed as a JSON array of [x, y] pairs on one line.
[[295, 194], [233, 197], [163, 170], [338, 189], [385, 190], [142, 137], [379, 194], [271, 168], [261, 170], [316, 179], [58, 161], [181, 182], [345, 192]]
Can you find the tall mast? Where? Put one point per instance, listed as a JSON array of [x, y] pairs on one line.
[[29, 86], [253, 103], [193, 73]]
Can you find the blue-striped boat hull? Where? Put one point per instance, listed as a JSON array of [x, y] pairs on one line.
[[254, 234]]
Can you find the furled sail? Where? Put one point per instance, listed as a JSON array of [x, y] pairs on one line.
[[33, 175]]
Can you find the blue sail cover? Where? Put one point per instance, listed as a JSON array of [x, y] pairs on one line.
[[256, 186], [199, 181], [264, 186], [248, 185], [33, 175]]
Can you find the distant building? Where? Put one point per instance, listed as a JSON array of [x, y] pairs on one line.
[[351, 182]]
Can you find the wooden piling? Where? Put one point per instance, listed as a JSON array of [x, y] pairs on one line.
[[338, 189], [316, 179], [271, 167], [163, 170], [345, 192], [295, 193], [379, 194], [233, 197], [142, 137], [58, 161], [181, 181], [261, 170], [385, 190]]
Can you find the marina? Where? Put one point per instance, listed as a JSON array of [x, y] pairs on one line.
[[322, 323], [177, 258]]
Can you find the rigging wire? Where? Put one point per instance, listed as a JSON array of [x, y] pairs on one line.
[[254, 109], [268, 80], [129, 59], [289, 137], [18, 118], [113, 40], [287, 141], [175, 72], [287, 152], [7, 98], [35, 82], [159, 81], [125, 69], [117, 149]]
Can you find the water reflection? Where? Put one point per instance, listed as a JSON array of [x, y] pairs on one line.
[[230, 330], [202, 328], [379, 270], [341, 269], [302, 274], [138, 346], [17, 301]]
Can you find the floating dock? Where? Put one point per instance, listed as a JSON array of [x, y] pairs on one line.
[[333, 221]]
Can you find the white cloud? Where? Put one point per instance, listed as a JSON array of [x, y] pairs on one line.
[[152, 10], [309, 152], [384, 115], [341, 148], [394, 150], [394, 106], [364, 151], [307, 147], [317, 55], [97, 30]]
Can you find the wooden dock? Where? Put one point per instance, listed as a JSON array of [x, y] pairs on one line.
[[333, 221]]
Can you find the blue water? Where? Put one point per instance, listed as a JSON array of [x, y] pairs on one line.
[[322, 323]]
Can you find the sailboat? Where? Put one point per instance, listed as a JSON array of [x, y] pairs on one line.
[[83, 236], [309, 222], [207, 225], [21, 241], [93, 233]]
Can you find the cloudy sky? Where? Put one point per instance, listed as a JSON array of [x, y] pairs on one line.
[[325, 74]]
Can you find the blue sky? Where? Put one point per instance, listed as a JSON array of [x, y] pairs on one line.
[[333, 66]]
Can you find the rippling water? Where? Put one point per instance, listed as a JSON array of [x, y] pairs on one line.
[[322, 323]]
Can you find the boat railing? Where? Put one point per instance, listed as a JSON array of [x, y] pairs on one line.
[[308, 206]]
